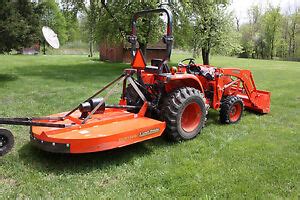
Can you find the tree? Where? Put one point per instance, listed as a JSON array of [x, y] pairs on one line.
[[251, 37], [53, 17], [255, 36], [92, 17], [210, 25], [19, 24], [268, 34], [183, 27], [91, 10], [247, 42], [271, 27], [283, 44], [293, 22], [114, 27], [229, 38], [72, 24]]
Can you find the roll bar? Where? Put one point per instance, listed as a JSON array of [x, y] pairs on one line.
[[167, 39]]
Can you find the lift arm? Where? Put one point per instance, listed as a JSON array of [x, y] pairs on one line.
[[246, 78], [254, 99]]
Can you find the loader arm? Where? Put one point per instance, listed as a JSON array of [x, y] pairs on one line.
[[253, 99], [245, 76]]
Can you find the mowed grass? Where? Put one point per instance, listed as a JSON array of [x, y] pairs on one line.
[[257, 158]]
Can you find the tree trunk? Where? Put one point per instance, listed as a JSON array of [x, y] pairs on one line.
[[290, 45], [293, 35], [293, 43], [273, 42], [262, 49], [205, 56], [237, 24], [91, 48], [92, 21], [272, 49]]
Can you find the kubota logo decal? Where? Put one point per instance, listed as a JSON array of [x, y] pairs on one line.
[[141, 134], [152, 131]]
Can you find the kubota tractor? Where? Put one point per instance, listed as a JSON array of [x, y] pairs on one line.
[[182, 95], [155, 99]]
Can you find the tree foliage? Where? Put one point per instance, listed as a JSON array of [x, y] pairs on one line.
[[212, 27], [91, 10], [117, 24], [53, 17], [270, 33], [271, 30], [203, 26], [72, 23], [292, 37], [19, 24]]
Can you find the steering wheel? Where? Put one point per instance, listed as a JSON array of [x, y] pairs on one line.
[[191, 62], [188, 66]]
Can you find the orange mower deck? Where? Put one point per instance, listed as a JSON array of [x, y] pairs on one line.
[[112, 129]]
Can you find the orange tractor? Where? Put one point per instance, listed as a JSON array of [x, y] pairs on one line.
[[155, 100]]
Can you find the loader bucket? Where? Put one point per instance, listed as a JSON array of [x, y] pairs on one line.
[[260, 102]]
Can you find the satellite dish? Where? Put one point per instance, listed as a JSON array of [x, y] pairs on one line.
[[51, 37]]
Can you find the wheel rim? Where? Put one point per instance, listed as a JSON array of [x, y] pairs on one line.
[[3, 141], [191, 117], [235, 112]]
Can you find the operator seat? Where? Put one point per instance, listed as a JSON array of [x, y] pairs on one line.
[[158, 66]]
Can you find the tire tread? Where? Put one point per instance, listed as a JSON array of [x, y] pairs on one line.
[[171, 108]]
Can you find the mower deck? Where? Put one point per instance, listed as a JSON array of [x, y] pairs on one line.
[[114, 128]]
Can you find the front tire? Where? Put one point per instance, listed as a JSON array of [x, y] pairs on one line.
[[185, 114], [231, 110], [6, 141]]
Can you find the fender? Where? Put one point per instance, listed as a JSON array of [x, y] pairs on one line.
[[183, 80]]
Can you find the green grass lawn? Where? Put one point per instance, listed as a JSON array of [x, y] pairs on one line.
[[257, 158]]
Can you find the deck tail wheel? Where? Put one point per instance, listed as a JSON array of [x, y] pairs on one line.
[[231, 110], [185, 113], [6, 141]]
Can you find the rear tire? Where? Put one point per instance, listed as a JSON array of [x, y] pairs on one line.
[[6, 141], [185, 114], [231, 110]]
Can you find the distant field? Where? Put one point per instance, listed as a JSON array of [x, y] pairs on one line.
[[256, 158]]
